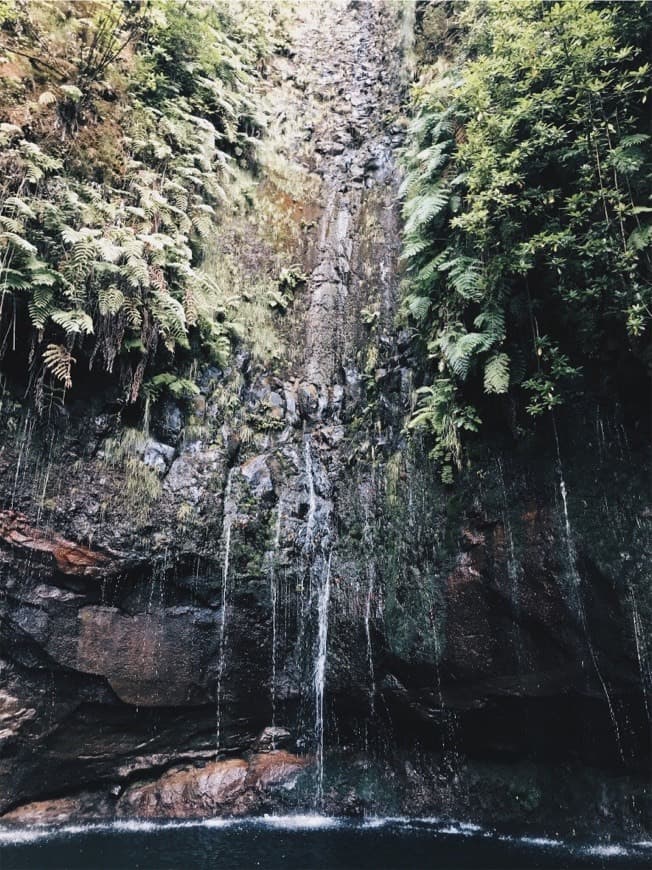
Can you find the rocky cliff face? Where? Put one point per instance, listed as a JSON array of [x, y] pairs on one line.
[[298, 612]]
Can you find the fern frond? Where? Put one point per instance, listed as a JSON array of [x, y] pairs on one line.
[[460, 350], [170, 316], [496, 374], [415, 245], [421, 210], [110, 300], [12, 225], [641, 238], [492, 323], [15, 279], [19, 206], [133, 312], [73, 322], [466, 275], [82, 256], [17, 241], [41, 275], [40, 305], [634, 140], [136, 272], [419, 307], [59, 360]]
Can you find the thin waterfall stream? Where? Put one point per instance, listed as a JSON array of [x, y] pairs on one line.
[[318, 548], [371, 568], [312, 497], [371, 572], [273, 593], [228, 511], [323, 600], [577, 590], [514, 570]]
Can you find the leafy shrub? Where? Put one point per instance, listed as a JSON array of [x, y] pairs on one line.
[[527, 234], [101, 265]]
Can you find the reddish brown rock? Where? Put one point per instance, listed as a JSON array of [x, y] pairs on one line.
[[188, 792], [230, 787], [60, 810], [67, 556], [275, 768]]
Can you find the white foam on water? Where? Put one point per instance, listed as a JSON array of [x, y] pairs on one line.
[[469, 826], [135, 826], [454, 829], [609, 851], [541, 841], [219, 823], [308, 821], [374, 823], [399, 820], [16, 837]]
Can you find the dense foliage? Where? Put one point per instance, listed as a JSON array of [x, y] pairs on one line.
[[121, 125], [527, 204]]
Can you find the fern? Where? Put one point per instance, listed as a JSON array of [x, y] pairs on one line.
[[415, 244], [136, 272], [59, 360], [496, 374], [127, 250], [17, 242], [133, 312], [180, 388], [15, 279], [41, 275], [82, 256], [428, 273], [419, 307], [466, 276], [492, 322], [641, 238], [40, 306], [73, 322], [510, 250], [170, 317], [110, 300], [12, 225], [423, 209], [19, 206], [220, 350], [460, 350]]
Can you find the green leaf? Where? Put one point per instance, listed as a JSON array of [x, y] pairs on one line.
[[496, 374]]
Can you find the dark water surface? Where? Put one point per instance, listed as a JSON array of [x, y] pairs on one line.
[[293, 842]]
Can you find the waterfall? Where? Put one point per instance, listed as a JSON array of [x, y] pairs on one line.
[[316, 545], [312, 498], [367, 537], [226, 543], [514, 570], [320, 673], [641, 652], [577, 582], [273, 592], [371, 570]]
